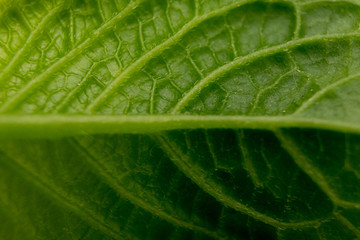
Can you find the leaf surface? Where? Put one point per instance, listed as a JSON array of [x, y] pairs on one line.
[[184, 119]]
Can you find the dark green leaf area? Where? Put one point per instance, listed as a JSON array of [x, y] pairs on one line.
[[252, 171], [198, 184]]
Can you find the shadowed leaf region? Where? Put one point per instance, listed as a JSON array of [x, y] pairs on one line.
[[180, 119]]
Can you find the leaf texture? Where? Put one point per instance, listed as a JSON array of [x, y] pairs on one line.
[[180, 119]]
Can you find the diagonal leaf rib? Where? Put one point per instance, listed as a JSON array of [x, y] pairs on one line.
[[325, 90], [248, 161], [304, 163], [36, 82], [297, 20], [84, 213], [7, 213], [125, 75], [103, 173], [348, 224], [213, 76], [209, 186], [313, 2], [30, 40], [278, 91], [64, 103]]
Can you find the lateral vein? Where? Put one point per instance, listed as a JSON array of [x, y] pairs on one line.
[[84, 213], [37, 81], [323, 91], [125, 75], [348, 224], [29, 41], [197, 175], [237, 62], [104, 173], [303, 162]]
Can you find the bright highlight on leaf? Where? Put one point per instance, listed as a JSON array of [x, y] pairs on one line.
[[180, 119]]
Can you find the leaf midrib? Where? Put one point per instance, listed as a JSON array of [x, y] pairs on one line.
[[56, 126]]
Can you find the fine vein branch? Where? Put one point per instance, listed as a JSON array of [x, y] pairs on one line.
[[44, 76], [240, 61]]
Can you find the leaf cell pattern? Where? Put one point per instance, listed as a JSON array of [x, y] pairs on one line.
[[270, 58]]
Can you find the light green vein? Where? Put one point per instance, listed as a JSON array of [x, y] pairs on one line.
[[12, 222], [248, 161], [213, 76], [138, 64], [348, 224], [263, 90], [4, 6], [103, 172], [56, 126], [297, 21], [65, 102], [325, 90], [314, 2], [45, 76], [30, 40], [85, 213], [203, 180], [7, 211], [305, 164]]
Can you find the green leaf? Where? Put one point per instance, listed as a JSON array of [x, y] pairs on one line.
[[179, 119]]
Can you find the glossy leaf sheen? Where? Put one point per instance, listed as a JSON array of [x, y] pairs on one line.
[[180, 119]]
